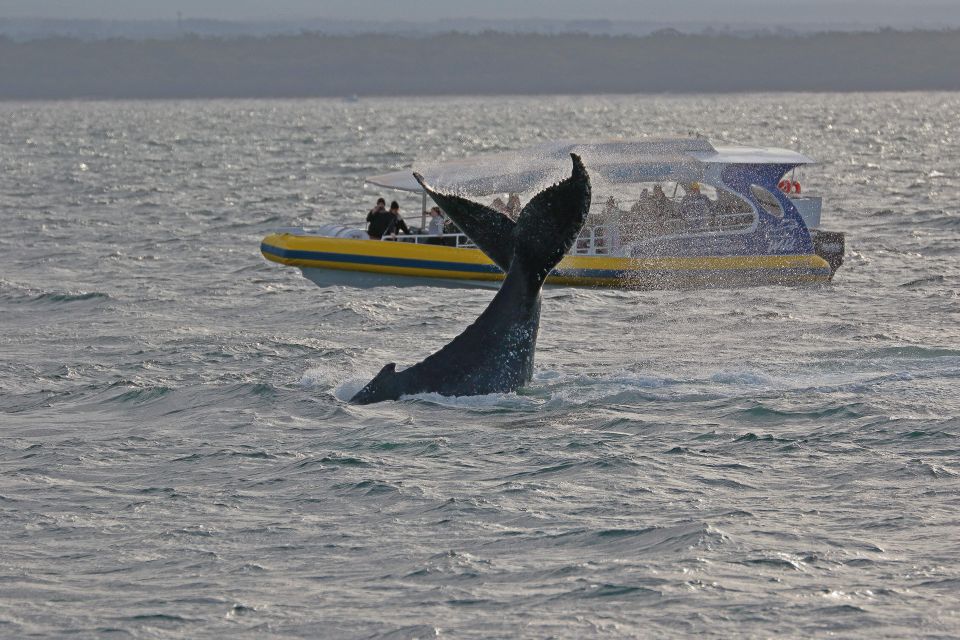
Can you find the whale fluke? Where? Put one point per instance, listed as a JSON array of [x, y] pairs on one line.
[[489, 229], [495, 353]]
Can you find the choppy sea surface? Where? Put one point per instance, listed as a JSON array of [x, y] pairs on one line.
[[177, 459]]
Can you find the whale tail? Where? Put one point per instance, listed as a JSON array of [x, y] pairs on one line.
[[495, 353], [550, 223], [546, 229]]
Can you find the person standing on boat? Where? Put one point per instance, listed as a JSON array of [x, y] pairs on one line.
[[396, 223], [378, 219], [380, 206], [435, 226]]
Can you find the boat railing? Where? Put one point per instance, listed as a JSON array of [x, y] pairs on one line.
[[455, 240], [732, 222], [594, 241], [607, 238]]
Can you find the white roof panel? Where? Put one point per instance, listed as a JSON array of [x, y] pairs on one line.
[[754, 155], [615, 161]]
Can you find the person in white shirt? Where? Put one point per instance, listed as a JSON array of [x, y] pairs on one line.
[[435, 226]]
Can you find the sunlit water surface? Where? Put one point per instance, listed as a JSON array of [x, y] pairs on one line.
[[177, 460]]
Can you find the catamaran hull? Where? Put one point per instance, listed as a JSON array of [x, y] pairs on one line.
[[366, 263], [324, 277]]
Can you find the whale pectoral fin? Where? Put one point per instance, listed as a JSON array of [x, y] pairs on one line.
[[489, 229], [380, 388], [387, 370], [550, 222]]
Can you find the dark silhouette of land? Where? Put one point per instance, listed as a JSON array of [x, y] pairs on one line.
[[467, 64]]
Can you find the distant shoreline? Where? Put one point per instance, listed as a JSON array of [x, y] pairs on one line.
[[489, 64], [467, 96]]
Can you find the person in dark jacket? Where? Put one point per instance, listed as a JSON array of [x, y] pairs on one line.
[[378, 220], [396, 224]]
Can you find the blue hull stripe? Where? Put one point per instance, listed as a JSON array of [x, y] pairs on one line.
[[410, 263]]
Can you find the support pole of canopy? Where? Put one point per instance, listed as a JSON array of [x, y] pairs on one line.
[[423, 213]]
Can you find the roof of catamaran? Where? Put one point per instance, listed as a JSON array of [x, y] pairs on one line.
[[615, 161]]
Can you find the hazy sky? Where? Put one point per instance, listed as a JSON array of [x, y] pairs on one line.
[[785, 12]]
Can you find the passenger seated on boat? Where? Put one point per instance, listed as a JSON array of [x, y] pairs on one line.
[[662, 206], [610, 216], [396, 223], [500, 205], [729, 203], [695, 207], [610, 209], [514, 206], [644, 214], [644, 208], [643, 200], [378, 220]]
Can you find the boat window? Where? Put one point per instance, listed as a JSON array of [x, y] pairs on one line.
[[613, 200], [635, 211], [767, 200], [732, 211]]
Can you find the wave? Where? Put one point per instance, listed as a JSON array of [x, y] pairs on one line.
[[30, 401], [909, 352], [658, 540], [377, 489], [556, 390], [609, 591], [71, 297], [20, 294], [919, 282], [127, 395], [141, 396], [944, 221], [760, 412]]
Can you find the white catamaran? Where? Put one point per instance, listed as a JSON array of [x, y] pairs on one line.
[[666, 213]]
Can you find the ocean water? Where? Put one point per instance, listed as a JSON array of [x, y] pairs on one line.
[[177, 459]]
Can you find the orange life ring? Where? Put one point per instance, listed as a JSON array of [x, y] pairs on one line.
[[784, 186], [796, 187]]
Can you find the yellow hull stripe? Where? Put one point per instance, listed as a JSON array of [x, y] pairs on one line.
[[433, 261]]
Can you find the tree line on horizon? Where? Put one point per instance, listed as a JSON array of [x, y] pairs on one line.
[[316, 65]]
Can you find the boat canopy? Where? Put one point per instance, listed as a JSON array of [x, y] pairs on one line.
[[617, 162]]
